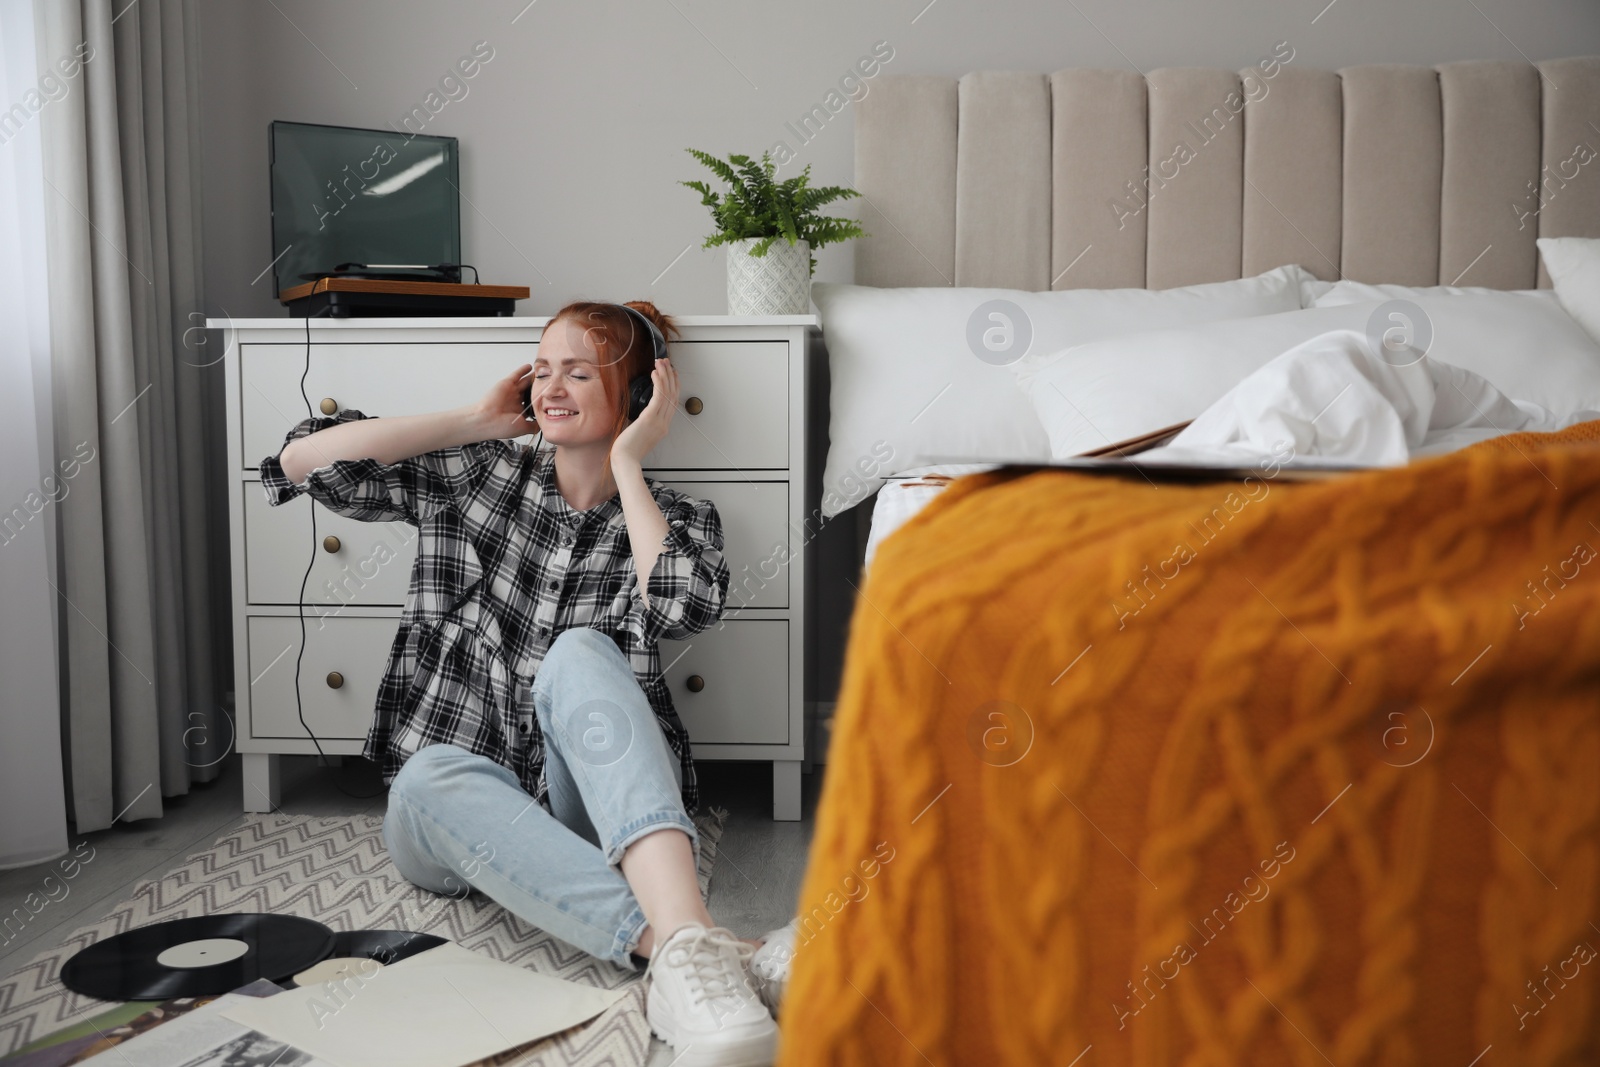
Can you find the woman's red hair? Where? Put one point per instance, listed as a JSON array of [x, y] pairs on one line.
[[621, 349]]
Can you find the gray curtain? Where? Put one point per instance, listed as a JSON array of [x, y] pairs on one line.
[[142, 611], [33, 812]]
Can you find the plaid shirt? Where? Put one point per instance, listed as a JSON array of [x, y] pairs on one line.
[[503, 565]]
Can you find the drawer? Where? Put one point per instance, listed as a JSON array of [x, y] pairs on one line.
[[743, 389], [371, 564], [755, 538], [357, 648], [375, 379], [744, 668]]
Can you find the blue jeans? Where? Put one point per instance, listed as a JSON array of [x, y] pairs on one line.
[[458, 820]]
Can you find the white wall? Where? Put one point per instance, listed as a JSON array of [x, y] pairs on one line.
[[573, 134]]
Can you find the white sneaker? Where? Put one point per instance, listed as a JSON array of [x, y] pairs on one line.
[[770, 964], [701, 1001]]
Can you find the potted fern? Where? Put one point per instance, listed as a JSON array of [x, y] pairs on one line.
[[766, 276]]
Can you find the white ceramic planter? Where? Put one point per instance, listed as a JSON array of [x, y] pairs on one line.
[[778, 283]]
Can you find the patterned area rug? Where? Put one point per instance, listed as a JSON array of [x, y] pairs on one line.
[[336, 871]]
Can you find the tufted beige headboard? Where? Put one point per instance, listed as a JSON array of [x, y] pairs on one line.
[[1108, 179]]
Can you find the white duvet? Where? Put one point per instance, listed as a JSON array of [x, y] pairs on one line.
[[908, 493], [1334, 401]]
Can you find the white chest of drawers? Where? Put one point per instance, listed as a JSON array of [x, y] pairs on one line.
[[738, 439]]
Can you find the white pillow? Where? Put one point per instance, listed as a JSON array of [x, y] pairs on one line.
[[1521, 340], [1331, 294], [1112, 390], [1312, 288], [1574, 266], [910, 387]]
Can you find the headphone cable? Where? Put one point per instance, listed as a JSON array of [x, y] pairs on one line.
[[300, 601]]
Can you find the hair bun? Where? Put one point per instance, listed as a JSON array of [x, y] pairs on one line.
[[664, 323]]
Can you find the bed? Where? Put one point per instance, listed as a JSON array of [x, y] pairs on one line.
[[1130, 771]]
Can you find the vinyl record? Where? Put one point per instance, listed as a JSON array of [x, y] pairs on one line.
[[385, 946], [343, 971], [195, 957], [362, 953]]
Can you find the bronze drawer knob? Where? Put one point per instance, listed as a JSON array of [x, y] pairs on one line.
[[328, 406], [695, 683], [331, 543], [335, 680], [694, 405]]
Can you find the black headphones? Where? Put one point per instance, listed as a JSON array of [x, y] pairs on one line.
[[640, 386]]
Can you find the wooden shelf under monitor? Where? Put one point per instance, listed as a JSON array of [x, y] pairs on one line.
[[343, 297]]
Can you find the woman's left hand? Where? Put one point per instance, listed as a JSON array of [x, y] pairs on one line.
[[644, 433]]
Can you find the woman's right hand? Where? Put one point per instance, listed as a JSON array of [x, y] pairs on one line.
[[500, 412]]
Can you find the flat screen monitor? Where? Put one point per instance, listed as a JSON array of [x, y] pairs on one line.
[[347, 195]]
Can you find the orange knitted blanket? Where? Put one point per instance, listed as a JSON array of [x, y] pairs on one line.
[[1234, 773]]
